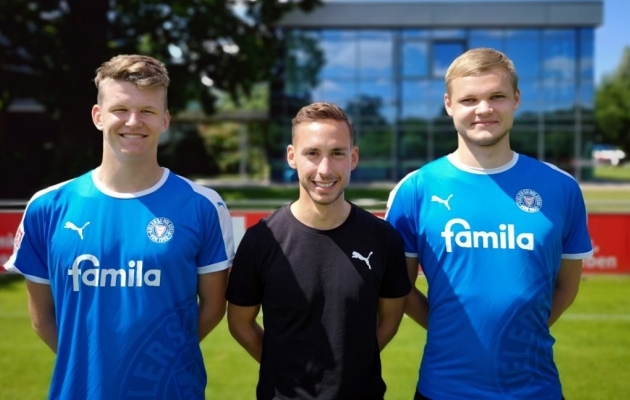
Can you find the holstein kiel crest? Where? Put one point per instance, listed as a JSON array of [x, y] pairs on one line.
[[528, 200], [160, 230]]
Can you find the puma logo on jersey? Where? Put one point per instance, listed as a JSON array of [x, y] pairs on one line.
[[70, 225], [365, 259], [442, 201]]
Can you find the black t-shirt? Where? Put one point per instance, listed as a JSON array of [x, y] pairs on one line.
[[319, 292]]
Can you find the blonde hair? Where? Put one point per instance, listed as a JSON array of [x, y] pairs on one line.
[[477, 61], [143, 71], [321, 111]]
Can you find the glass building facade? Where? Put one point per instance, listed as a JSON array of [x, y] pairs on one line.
[[390, 81]]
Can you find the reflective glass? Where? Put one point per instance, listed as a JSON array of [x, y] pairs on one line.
[[559, 54], [525, 54], [443, 55], [493, 38], [375, 54], [340, 54], [559, 96], [530, 96], [416, 111], [414, 91], [587, 94], [339, 92], [415, 60], [587, 43], [381, 88], [436, 99]]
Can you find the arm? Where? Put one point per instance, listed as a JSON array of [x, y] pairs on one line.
[[417, 305], [567, 284], [390, 312], [245, 329], [41, 307], [211, 292]]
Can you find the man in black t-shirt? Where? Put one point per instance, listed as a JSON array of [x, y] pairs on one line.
[[331, 278]]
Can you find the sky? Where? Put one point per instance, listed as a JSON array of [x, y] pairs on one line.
[[610, 38]]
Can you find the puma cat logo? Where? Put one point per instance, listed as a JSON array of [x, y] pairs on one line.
[[441, 201], [360, 257], [70, 225]]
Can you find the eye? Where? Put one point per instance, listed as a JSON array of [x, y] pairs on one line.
[[148, 112], [339, 153]]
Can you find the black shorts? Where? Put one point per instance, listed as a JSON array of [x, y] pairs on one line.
[[418, 396]]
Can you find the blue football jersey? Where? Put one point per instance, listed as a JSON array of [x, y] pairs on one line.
[[123, 272], [490, 243]]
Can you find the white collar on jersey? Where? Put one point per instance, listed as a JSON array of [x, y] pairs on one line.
[[100, 186], [482, 171]]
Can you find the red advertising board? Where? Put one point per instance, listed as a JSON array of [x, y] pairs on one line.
[[610, 234]]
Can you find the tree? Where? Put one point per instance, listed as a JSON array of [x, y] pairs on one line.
[[612, 105], [49, 50]]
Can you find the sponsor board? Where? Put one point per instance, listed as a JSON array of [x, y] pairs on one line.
[[610, 234]]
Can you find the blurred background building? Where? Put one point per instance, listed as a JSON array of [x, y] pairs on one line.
[[384, 63]]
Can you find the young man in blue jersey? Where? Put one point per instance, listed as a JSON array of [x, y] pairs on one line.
[[500, 238], [126, 266], [330, 277]]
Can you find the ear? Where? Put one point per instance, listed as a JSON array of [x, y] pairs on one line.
[[517, 99], [167, 121], [96, 117], [291, 156], [354, 157], [447, 105]]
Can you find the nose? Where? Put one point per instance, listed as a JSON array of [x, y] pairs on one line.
[[323, 169], [483, 107], [133, 119]]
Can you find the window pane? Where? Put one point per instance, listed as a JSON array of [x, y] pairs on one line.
[[487, 38], [415, 58], [375, 54], [380, 88], [559, 55], [340, 54], [530, 97], [339, 92], [444, 53], [525, 54], [587, 42], [415, 91]]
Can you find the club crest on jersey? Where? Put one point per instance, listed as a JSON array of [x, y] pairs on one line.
[[528, 200], [160, 230]]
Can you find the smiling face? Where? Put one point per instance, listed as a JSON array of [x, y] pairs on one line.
[[482, 107], [323, 155], [132, 120]]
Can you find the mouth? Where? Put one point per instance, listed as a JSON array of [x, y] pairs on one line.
[[324, 185], [132, 136], [483, 123]]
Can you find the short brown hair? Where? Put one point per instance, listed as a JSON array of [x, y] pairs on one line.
[[321, 111], [476, 61], [143, 71]]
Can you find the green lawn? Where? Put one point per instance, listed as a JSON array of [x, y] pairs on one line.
[[592, 349]]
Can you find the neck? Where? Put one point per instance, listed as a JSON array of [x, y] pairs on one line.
[[123, 179], [318, 216], [486, 157]]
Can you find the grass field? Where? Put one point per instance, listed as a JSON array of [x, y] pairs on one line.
[[592, 349]]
